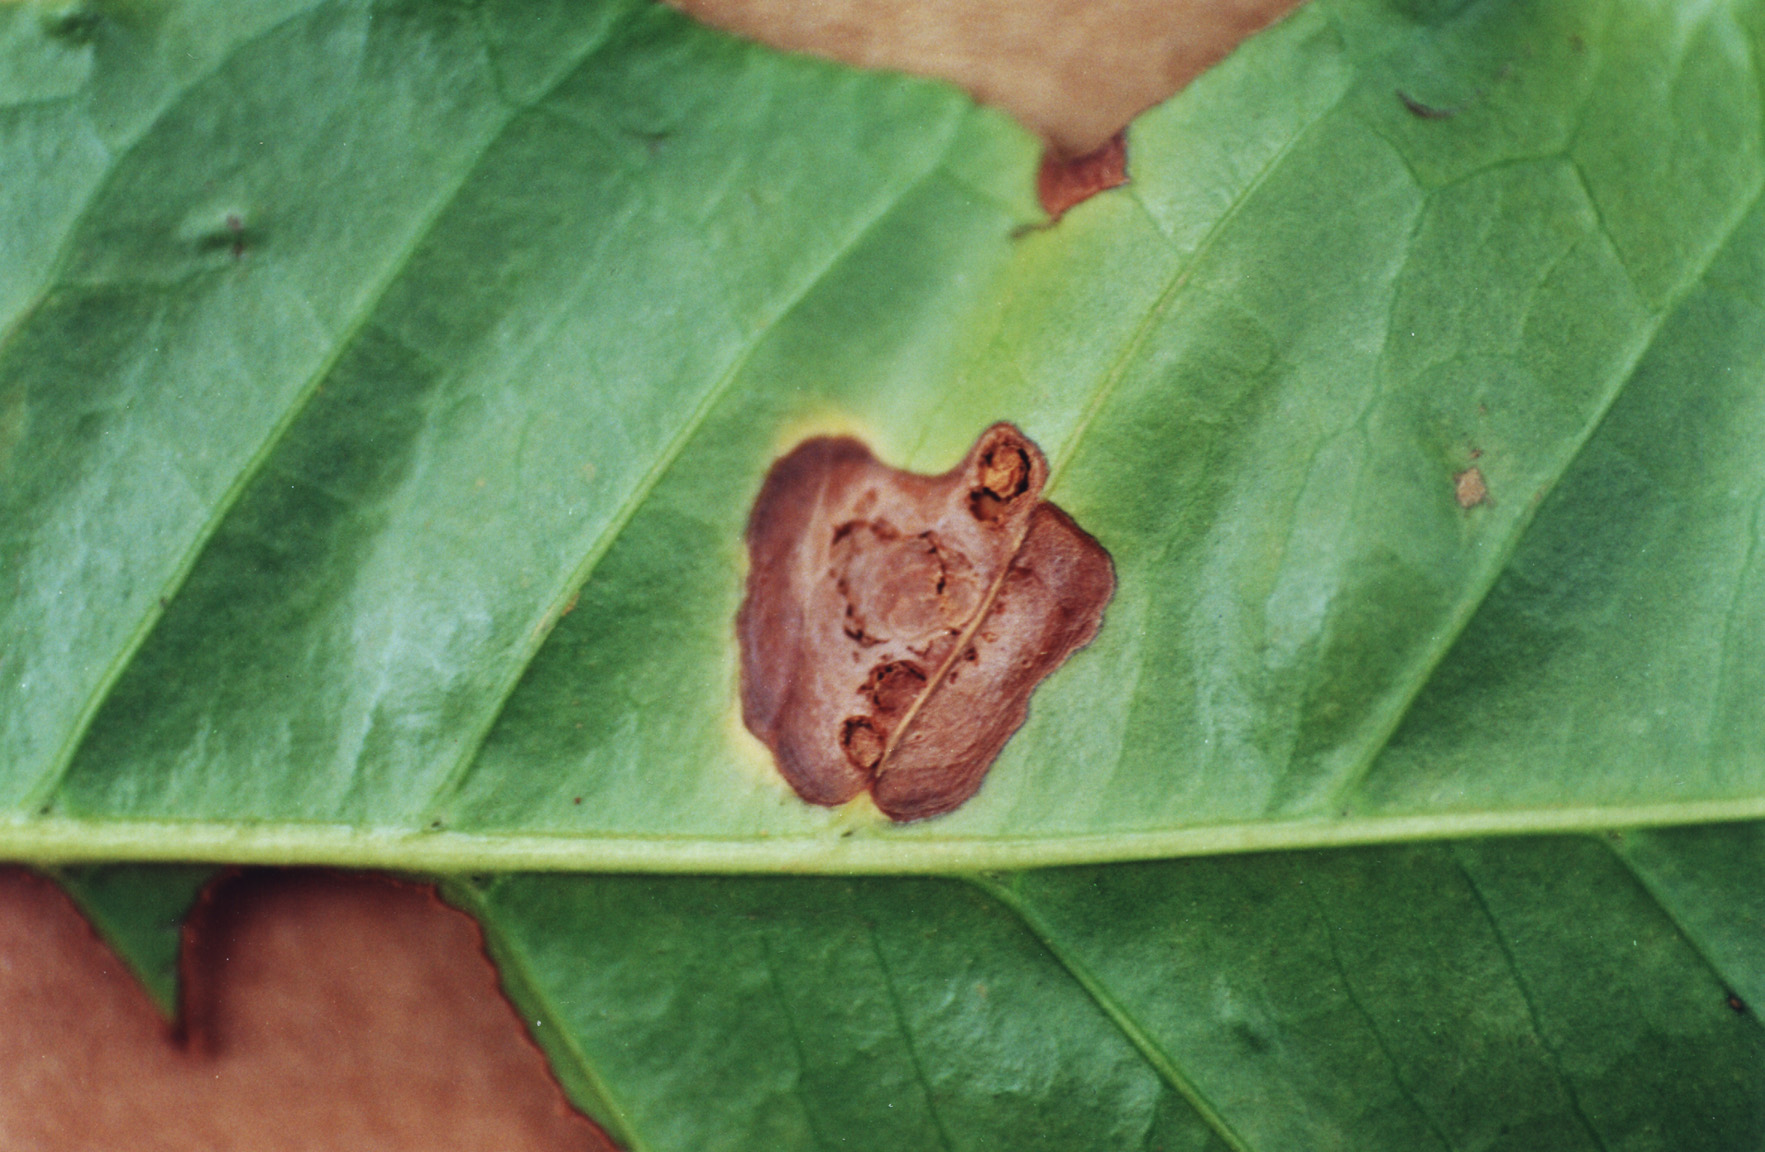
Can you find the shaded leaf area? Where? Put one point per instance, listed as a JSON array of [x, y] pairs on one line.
[[1516, 994], [382, 466], [178, 298], [323, 1011], [724, 1013], [1707, 879]]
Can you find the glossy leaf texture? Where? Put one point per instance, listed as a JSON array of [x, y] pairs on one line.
[[383, 388], [1588, 992]]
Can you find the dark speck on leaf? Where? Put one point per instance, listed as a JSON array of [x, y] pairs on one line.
[[78, 25], [232, 235], [1425, 111]]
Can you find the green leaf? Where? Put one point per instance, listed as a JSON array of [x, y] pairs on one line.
[[1517, 994], [384, 400], [383, 388]]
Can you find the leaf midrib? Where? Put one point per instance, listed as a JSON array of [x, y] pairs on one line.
[[64, 840]]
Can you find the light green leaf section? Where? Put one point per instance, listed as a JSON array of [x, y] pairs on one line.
[[1621, 655], [1513, 994], [382, 398]]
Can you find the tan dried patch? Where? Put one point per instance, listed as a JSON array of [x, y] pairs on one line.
[[1074, 71], [896, 624], [1469, 488]]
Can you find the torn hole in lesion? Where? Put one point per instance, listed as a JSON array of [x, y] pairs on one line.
[[1004, 475], [863, 742]]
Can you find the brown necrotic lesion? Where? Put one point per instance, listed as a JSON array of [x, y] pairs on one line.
[[896, 624]]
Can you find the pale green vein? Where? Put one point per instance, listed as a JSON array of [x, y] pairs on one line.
[[1525, 991], [1174, 290], [925, 1085], [1737, 604], [65, 840], [1149, 1049]]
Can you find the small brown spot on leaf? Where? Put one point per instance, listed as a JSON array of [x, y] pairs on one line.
[[1737, 1005], [868, 585], [1062, 183], [1469, 489]]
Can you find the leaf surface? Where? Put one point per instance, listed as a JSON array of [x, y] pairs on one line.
[[375, 472], [383, 387], [1544, 993]]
